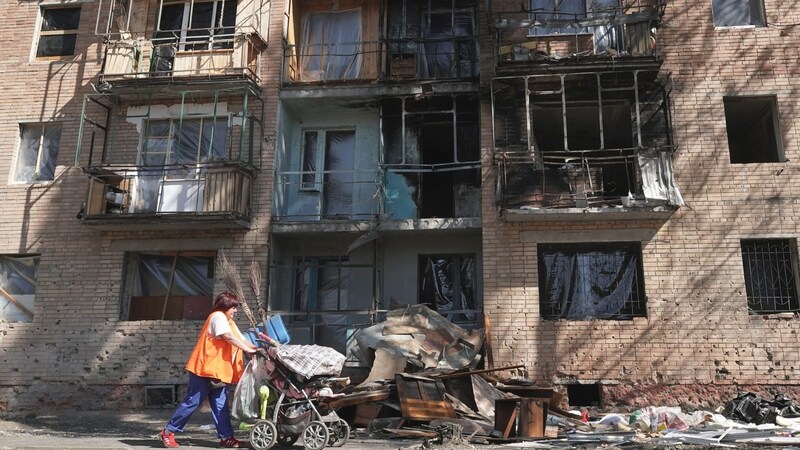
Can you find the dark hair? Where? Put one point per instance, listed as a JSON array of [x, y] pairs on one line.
[[224, 302]]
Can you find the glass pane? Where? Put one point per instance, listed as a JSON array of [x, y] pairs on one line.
[[60, 19], [50, 143], [214, 137], [61, 45], [28, 152], [186, 141]]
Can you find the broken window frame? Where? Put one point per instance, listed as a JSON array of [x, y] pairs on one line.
[[457, 41], [189, 38], [18, 278], [754, 9], [68, 34], [134, 265], [569, 305], [770, 269], [40, 167], [770, 150]]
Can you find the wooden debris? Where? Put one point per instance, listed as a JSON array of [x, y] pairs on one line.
[[422, 398]]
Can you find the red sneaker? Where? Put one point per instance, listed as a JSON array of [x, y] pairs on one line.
[[168, 439], [230, 442]]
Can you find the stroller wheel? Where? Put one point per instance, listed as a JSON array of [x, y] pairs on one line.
[[263, 435], [285, 440], [315, 435], [339, 433]]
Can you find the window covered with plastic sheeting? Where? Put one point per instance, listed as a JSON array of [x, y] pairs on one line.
[[448, 44], [18, 274], [38, 152], [331, 47], [591, 281], [168, 286], [447, 285]]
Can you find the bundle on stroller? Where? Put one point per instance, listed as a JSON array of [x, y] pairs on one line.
[[281, 392]]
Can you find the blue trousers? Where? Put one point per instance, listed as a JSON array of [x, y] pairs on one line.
[[196, 393]]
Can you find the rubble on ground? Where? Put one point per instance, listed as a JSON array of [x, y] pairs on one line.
[[424, 384]]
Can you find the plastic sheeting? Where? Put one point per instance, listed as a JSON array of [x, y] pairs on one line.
[[444, 52], [751, 408], [251, 393], [448, 284], [339, 178], [331, 47], [152, 275], [17, 278], [658, 178], [38, 139], [594, 282]]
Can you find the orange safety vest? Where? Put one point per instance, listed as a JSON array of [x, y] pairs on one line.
[[214, 357]]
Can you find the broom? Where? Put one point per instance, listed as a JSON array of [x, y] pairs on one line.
[[255, 284], [234, 284]]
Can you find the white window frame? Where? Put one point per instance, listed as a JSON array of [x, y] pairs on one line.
[[188, 9], [42, 126], [749, 4], [39, 32]]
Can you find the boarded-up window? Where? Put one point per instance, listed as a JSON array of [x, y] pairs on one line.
[[751, 123], [168, 286], [58, 32], [736, 13], [38, 152], [18, 274], [591, 281], [770, 275]]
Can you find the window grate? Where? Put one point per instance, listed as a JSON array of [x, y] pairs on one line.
[[156, 396], [770, 275]]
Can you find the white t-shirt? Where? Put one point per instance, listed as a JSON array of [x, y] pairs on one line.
[[219, 324]]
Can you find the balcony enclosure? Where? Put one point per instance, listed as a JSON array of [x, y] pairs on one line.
[[583, 140], [163, 160], [181, 38], [567, 31], [387, 41]]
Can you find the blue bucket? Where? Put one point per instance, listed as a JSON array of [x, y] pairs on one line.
[[275, 329]]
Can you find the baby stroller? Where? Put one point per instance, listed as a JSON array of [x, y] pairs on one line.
[[288, 383]]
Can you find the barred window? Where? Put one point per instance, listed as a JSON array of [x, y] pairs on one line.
[[770, 275], [585, 281]]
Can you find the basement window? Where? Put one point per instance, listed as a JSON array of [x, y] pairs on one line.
[[583, 281], [38, 152], [168, 285], [770, 275], [58, 32], [18, 274], [447, 285], [752, 124], [738, 13]]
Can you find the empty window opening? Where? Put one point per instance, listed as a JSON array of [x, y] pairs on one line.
[[770, 275], [168, 285], [18, 274], [591, 281], [158, 396], [737, 13], [447, 285], [38, 152], [752, 126], [58, 32], [583, 394]]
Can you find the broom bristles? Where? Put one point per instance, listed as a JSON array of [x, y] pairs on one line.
[[234, 284], [255, 284]]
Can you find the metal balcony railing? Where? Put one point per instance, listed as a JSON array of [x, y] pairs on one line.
[[328, 195]]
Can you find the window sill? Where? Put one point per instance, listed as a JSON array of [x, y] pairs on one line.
[[738, 27], [776, 316]]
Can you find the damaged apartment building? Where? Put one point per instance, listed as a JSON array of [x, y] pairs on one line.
[[609, 185]]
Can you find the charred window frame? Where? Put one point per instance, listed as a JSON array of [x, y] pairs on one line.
[[770, 275], [168, 285], [560, 10], [447, 284], [58, 32], [753, 127], [197, 25], [584, 281], [314, 276], [18, 279], [738, 13]]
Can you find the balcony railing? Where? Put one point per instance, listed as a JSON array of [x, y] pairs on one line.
[[328, 195], [201, 191], [388, 60], [600, 33]]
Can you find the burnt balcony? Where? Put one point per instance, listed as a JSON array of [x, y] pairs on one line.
[[597, 142], [575, 33], [221, 41]]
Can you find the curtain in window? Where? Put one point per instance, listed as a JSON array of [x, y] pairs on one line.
[[331, 48], [579, 285]]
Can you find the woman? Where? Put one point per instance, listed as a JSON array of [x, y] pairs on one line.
[[215, 362]]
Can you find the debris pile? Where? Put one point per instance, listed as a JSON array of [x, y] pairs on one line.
[[423, 383]]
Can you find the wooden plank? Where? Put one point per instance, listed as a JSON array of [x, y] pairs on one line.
[[487, 341], [473, 372], [358, 398], [422, 399], [17, 303], [532, 417]]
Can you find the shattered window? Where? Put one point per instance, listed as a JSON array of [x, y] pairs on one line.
[[58, 32], [737, 13], [751, 124], [197, 25], [591, 281], [168, 285], [38, 152], [447, 285], [18, 274], [770, 275]]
